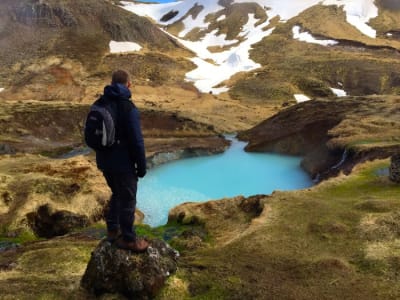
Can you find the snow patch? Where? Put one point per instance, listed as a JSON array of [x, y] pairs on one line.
[[1, 90], [124, 47], [339, 92], [212, 39], [214, 68], [226, 63], [158, 10], [307, 37], [190, 23], [301, 98], [358, 12], [221, 17]]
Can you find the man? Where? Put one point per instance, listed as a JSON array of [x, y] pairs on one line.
[[122, 164]]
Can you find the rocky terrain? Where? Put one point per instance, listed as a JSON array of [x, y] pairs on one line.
[[337, 240], [59, 50], [331, 135], [43, 171], [214, 67]]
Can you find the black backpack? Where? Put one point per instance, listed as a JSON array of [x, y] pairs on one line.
[[100, 125]]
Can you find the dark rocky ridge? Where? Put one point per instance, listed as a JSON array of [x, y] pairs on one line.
[[46, 223], [331, 135], [41, 13], [394, 170], [56, 128]]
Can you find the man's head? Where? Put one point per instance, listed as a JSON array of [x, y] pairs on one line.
[[122, 77]]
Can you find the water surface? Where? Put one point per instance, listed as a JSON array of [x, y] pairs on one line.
[[233, 173]]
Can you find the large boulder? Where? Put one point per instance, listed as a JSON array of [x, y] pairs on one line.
[[137, 276], [394, 169], [48, 222]]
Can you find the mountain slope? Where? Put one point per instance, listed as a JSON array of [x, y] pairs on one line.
[[223, 33], [52, 49]]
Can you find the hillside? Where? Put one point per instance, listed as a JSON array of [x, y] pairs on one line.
[[255, 55], [336, 241], [60, 50], [318, 79], [331, 135]]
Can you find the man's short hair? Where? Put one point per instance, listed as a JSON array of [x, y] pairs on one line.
[[120, 76]]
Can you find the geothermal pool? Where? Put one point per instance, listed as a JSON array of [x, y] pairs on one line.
[[229, 174]]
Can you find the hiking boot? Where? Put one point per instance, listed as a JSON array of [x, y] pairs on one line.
[[140, 245], [112, 235]]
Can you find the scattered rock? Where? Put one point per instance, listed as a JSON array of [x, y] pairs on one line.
[[47, 223], [394, 171], [45, 14], [137, 276], [5, 245], [6, 149], [253, 205], [190, 239]]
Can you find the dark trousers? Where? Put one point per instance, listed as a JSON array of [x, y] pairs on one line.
[[121, 213]]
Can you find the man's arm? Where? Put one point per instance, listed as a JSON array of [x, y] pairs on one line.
[[136, 142]]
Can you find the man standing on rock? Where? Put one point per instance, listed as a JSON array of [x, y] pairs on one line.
[[122, 164]]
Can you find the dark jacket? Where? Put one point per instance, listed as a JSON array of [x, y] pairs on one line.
[[128, 152]]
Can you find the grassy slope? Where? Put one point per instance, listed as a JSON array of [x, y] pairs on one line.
[[300, 67], [29, 181], [335, 25], [335, 241], [356, 123]]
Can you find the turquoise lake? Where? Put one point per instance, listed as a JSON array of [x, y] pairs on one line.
[[232, 173]]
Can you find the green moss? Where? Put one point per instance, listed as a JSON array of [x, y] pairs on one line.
[[23, 237], [305, 245], [47, 270], [176, 287]]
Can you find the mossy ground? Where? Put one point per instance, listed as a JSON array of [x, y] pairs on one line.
[[52, 269], [337, 240], [309, 244]]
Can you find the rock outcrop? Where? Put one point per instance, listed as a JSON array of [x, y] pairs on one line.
[[137, 276], [321, 131], [394, 170], [46, 222], [44, 14], [222, 217]]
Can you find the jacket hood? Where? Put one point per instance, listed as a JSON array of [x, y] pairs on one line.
[[117, 91]]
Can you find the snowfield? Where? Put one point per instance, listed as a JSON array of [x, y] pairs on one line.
[[226, 63], [301, 98], [339, 92], [208, 76], [308, 38], [123, 47]]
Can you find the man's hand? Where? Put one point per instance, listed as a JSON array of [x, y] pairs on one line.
[[140, 173]]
